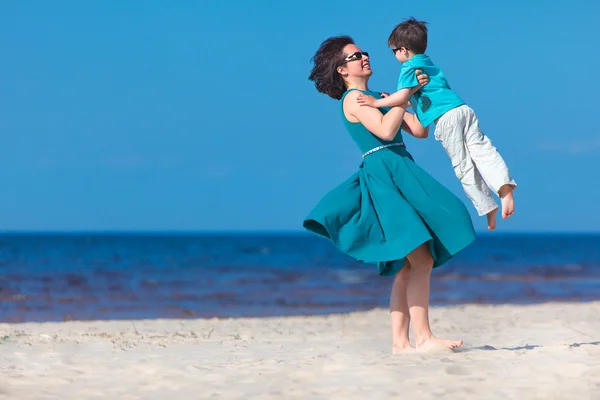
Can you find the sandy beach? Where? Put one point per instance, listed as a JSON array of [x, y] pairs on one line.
[[549, 351]]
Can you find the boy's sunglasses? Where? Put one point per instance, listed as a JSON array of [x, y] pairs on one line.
[[397, 49], [356, 56]]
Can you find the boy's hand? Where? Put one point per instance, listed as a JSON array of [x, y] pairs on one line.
[[366, 100], [384, 94], [422, 77]]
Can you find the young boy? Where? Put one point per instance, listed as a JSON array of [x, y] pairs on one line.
[[475, 160]]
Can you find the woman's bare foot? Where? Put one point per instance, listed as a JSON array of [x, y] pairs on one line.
[[434, 345], [491, 219], [404, 349], [508, 201]]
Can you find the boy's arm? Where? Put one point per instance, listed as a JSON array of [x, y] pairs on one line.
[[398, 98], [410, 81]]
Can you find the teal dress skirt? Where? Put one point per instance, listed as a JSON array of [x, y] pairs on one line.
[[390, 207]]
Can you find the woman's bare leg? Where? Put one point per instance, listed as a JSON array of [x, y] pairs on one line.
[[418, 300], [399, 313]]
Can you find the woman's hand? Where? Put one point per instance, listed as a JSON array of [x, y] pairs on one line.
[[422, 77]]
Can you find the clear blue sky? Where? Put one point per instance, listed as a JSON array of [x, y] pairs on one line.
[[198, 115]]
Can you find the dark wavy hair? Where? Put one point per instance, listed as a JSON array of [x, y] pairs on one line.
[[326, 61], [411, 34]]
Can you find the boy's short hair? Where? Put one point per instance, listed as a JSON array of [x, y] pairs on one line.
[[411, 34]]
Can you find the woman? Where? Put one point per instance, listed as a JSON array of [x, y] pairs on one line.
[[391, 212]]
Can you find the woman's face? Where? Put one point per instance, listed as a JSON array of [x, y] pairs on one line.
[[356, 63]]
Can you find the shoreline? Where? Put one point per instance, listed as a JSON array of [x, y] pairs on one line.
[[448, 306], [184, 314]]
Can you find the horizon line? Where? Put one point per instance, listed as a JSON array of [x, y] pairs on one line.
[[8, 232]]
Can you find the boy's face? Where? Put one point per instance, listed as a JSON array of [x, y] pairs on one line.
[[401, 54]]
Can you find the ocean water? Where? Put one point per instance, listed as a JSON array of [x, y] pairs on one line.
[[55, 277]]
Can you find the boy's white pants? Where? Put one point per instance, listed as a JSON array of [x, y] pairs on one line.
[[475, 160]]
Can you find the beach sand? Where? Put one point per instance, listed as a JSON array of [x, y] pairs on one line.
[[548, 351]]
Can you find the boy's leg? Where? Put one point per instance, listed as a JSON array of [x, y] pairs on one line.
[[490, 163], [450, 130]]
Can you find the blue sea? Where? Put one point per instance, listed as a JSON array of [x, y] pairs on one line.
[[56, 277]]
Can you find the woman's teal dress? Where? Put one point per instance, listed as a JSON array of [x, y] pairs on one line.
[[390, 207]]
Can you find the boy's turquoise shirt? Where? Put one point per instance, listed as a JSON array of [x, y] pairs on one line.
[[432, 100]]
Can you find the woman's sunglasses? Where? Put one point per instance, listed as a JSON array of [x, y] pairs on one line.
[[356, 56]]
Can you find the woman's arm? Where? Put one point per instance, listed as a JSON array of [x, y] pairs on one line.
[[412, 126], [385, 127]]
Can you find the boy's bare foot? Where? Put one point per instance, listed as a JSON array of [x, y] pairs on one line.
[[508, 201], [434, 345], [491, 219], [403, 349]]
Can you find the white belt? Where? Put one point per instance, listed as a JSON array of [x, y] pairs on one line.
[[382, 147]]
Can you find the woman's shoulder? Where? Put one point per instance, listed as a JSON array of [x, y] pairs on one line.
[[347, 104], [354, 93], [350, 92], [349, 98]]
